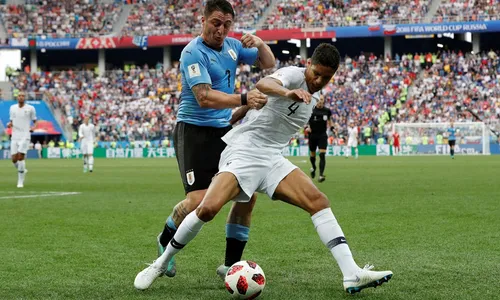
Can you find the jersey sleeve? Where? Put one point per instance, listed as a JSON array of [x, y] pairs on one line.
[[194, 66], [290, 77], [247, 55], [11, 114]]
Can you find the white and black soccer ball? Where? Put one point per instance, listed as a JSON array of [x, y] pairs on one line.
[[245, 280]]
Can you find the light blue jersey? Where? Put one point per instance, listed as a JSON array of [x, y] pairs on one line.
[[451, 134], [201, 63]]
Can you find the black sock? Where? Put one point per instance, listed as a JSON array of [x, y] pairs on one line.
[[167, 234], [234, 251], [322, 164], [313, 161], [452, 152]]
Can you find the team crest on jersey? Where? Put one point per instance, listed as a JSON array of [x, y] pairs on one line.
[[232, 54], [325, 118], [190, 177]]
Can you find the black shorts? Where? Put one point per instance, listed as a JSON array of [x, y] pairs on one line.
[[451, 143], [198, 151], [318, 141]]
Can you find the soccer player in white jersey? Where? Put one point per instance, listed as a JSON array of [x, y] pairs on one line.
[[252, 161], [21, 116], [86, 133], [352, 141]]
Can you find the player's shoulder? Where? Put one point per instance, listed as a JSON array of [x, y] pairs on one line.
[[290, 72], [233, 43], [193, 49]]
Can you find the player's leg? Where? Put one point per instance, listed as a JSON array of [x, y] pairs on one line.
[[452, 148], [91, 162], [237, 231], [313, 145], [224, 187], [13, 152], [322, 144], [356, 153], [21, 163], [298, 190]]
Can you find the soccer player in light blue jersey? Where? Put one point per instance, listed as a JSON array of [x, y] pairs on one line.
[[451, 139], [208, 68]]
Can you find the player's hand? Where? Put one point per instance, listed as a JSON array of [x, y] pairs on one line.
[[9, 125], [307, 129], [299, 95], [250, 41], [256, 99]]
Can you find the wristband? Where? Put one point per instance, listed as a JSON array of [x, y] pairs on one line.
[[244, 99]]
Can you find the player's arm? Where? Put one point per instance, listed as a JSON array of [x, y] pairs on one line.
[[194, 68], [10, 124], [239, 114], [33, 118], [274, 86], [80, 133], [265, 58]]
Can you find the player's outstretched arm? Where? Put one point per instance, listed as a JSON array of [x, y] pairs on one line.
[[209, 98], [272, 86]]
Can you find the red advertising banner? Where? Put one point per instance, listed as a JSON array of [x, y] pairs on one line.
[[184, 39], [97, 43]]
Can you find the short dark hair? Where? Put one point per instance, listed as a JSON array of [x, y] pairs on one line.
[[218, 5], [326, 55]]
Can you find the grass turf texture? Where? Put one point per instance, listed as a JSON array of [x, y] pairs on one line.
[[433, 221]]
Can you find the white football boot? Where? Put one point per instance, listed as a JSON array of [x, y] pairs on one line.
[[365, 278]]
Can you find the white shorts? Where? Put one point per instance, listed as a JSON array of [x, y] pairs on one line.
[[352, 143], [87, 148], [19, 146], [257, 170]]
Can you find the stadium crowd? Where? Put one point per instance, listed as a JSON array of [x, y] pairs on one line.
[[59, 19], [467, 10], [139, 102], [159, 17]]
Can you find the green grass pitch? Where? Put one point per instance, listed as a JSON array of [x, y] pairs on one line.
[[433, 221]]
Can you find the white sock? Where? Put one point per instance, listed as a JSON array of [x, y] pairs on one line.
[[91, 163], [21, 167], [15, 165], [85, 162], [188, 229], [356, 152], [331, 235]]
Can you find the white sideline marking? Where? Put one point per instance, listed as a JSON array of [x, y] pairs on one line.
[[43, 194]]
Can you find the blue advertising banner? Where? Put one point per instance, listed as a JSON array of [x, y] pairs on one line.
[[495, 149], [414, 29], [5, 154], [56, 43]]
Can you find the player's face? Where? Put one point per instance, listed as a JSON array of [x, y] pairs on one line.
[[86, 120], [317, 76], [21, 98], [216, 27]]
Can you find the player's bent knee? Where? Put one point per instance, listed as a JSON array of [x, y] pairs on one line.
[[206, 213], [318, 201]]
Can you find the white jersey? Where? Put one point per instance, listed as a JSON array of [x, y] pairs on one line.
[[352, 132], [21, 118], [87, 132], [275, 124]]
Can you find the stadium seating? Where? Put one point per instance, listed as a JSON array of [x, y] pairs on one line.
[[140, 102], [467, 10], [292, 14], [60, 19], [159, 17]]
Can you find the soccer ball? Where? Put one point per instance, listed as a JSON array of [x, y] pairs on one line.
[[245, 280]]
